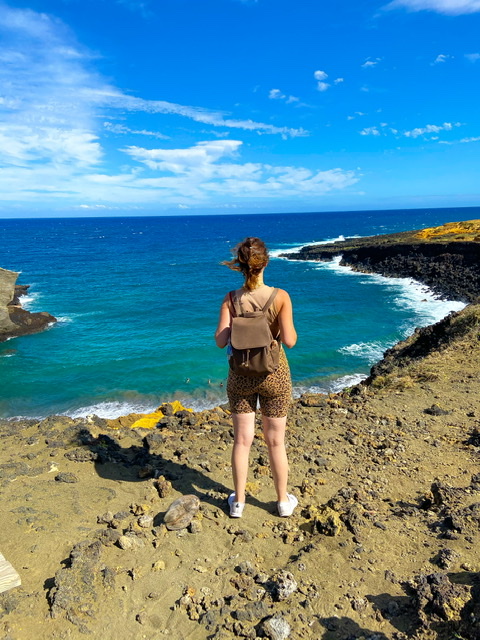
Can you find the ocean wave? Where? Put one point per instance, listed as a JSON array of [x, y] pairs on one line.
[[408, 294], [275, 253], [333, 386], [371, 351], [113, 409], [30, 299]]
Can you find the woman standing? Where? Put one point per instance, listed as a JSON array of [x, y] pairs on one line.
[[273, 390]]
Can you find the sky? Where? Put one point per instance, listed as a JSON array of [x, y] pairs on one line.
[[152, 107]]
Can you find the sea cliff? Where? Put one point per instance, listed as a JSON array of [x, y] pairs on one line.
[[15, 321], [383, 546], [444, 258]]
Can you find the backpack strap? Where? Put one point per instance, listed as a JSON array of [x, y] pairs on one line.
[[237, 309], [269, 302]]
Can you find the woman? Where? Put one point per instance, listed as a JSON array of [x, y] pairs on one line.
[[273, 390]]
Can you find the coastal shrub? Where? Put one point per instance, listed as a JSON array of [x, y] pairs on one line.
[[393, 382]]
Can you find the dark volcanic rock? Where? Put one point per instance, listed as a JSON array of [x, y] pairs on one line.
[[76, 591], [450, 269]]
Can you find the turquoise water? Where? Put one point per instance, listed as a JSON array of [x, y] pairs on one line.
[[137, 301]]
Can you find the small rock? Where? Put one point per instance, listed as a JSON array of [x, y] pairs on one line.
[[163, 486], [146, 522], [159, 565], [276, 628], [246, 568], [105, 518], [195, 526], [359, 604], [285, 585], [435, 410], [446, 558], [66, 477], [128, 543], [181, 512]]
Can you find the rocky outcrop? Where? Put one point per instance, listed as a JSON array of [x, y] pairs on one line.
[[15, 321], [426, 340], [449, 268]]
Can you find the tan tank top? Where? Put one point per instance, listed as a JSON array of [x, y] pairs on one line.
[[255, 301]]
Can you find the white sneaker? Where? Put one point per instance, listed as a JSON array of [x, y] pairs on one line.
[[236, 508], [285, 509]]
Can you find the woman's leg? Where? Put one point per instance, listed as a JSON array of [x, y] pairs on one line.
[[274, 433], [244, 431]]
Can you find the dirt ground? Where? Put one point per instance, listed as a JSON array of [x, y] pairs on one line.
[[384, 543]]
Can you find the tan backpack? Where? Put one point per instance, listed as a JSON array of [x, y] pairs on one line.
[[253, 350]]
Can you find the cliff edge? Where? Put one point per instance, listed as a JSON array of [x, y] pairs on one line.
[[15, 321], [444, 258]]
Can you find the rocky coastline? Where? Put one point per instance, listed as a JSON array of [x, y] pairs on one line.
[[383, 546], [446, 260], [14, 320]]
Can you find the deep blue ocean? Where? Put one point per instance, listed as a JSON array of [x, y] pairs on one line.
[[137, 301]]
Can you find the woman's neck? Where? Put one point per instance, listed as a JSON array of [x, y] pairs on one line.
[[258, 283]]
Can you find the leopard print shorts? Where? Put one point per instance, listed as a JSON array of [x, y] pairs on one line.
[[274, 391]]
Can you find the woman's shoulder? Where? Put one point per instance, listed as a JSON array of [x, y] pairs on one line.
[[281, 298]]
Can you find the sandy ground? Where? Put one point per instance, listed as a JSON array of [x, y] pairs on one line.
[[386, 480]]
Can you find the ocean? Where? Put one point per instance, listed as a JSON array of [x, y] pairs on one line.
[[137, 302]]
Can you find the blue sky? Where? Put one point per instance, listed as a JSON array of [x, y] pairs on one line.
[[113, 107]]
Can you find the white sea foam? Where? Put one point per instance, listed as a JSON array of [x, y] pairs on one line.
[[275, 253], [115, 409], [333, 386], [112, 409], [29, 300], [407, 294], [371, 351]]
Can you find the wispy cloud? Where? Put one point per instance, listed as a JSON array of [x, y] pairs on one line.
[[124, 130], [201, 170], [57, 112], [473, 57], [431, 128], [371, 62], [276, 94], [370, 131], [447, 7], [321, 77], [428, 132], [462, 141], [442, 57]]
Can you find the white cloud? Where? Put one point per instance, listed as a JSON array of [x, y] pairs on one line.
[[430, 128], [442, 57], [321, 76], [276, 94], [369, 62], [338, 80], [192, 175], [52, 99], [184, 160], [473, 57], [322, 86], [122, 129], [56, 113], [447, 7], [370, 131], [462, 141]]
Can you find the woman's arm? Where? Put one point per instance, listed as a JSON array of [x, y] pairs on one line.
[[222, 334], [288, 334]]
